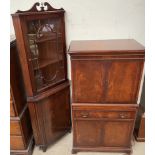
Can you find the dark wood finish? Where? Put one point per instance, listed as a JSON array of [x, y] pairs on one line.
[[15, 128], [20, 126], [40, 34], [111, 81], [17, 143], [106, 77], [140, 134], [53, 115], [109, 47], [108, 129], [27, 151], [139, 130], [12, 111], [17, 92]]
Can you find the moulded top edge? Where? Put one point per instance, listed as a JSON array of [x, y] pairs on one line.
[[108, 53], [104, 47]]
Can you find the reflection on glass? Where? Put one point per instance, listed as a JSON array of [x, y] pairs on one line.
[[46, 52]]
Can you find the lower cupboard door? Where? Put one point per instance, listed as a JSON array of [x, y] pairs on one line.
[[87, 133], [117, 133], [99, 133]]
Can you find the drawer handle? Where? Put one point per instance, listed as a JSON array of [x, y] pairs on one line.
[[123, 115], [84, 115]]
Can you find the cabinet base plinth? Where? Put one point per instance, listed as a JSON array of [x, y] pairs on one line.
[[127, 151]]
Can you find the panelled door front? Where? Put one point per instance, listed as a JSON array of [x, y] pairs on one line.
[[99, 133], [114, 81]]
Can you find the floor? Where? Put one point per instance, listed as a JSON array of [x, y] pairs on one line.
[[64, 146]]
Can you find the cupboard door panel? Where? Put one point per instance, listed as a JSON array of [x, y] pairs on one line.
[[106, 81], [123, 80], [55, 114], [87, 133], [117, 133], [87, 81]]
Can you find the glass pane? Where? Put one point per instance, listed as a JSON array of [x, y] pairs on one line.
[[46, 51]]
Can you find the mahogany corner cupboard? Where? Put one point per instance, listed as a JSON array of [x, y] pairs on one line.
[[106, 77], [40, 35]]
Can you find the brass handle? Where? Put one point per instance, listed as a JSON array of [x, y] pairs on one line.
[[85, 115], [123, 115]]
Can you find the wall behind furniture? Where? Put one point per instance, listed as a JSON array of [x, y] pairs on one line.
[[97, 19]]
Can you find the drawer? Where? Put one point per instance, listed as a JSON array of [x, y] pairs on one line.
[[17, 143], [15, 128], [17, 124], [104, 112]]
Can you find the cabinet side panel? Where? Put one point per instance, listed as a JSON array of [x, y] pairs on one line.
[[34, 121], [12, 110], [17, 91], [26, 126]]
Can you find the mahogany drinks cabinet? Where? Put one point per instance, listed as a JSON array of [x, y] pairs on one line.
[[40, 34], [106, 77]]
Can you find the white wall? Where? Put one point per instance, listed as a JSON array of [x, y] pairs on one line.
[[97, 19]]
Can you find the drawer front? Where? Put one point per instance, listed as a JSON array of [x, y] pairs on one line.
[[105, 114], [15, 128], [17, 143]]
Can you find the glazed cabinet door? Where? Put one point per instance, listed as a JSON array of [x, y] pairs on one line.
[[46, 51], [104, 81]]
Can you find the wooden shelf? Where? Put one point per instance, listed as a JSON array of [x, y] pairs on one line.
[[45, 62], [43, 39]]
